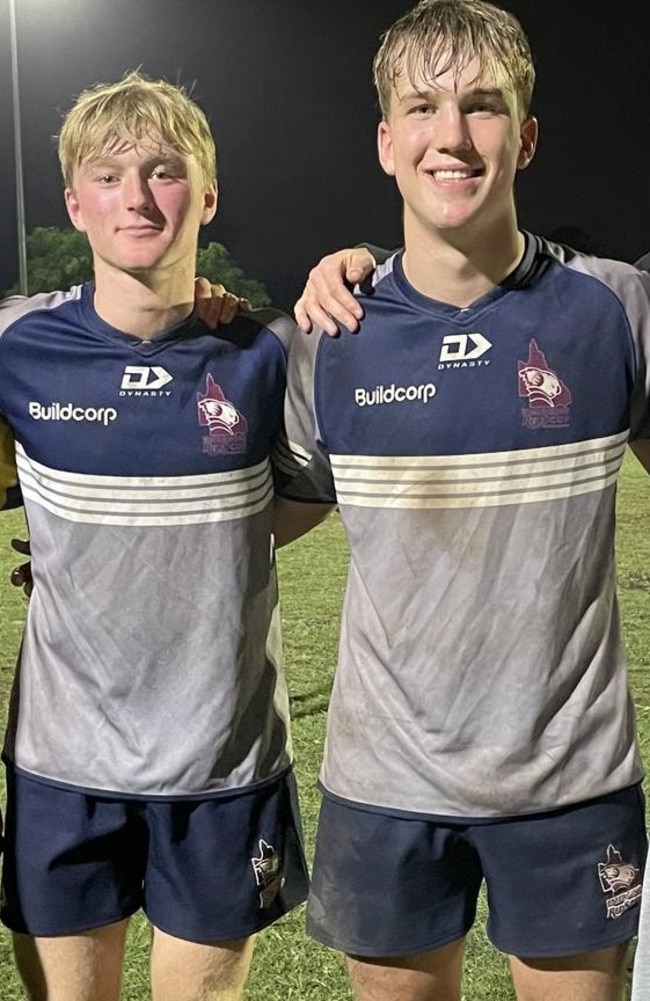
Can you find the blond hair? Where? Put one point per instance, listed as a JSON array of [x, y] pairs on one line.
[[134, 111], [441, 35]]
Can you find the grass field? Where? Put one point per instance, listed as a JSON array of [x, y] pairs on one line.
[[287, 966]]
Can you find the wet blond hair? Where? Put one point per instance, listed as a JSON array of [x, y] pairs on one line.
[[132, 112], [436, 36]]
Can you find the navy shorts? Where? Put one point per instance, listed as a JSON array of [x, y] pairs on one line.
[[558, 883], [206, 871]]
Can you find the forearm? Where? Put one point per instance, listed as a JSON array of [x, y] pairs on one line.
[[641, 448], [291, 519]]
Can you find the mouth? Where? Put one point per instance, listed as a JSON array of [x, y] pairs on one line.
[[456, 174], [141, 230]]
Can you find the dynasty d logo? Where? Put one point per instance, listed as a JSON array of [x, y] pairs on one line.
[[620, 882], [145, 380], [227, 427], [268, 877], [548, 397], [463, 351]]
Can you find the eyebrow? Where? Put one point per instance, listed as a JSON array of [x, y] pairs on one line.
[[486, 92], [415, 94], [115, 160]]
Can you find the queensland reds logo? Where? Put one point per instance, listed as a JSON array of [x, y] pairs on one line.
[[548, 397], [268, 874], [620, 882], [227, 427]]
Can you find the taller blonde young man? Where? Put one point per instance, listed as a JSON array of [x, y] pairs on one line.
[[148, 748], [480, 727]]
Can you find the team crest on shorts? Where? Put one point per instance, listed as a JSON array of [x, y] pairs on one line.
[[227, 427], [620, 882], [268, 877], [548, 397]]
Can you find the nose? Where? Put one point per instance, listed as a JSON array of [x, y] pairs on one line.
[[137, 193], [452, 132]]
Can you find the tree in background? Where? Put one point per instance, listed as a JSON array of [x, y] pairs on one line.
[[58, 258]]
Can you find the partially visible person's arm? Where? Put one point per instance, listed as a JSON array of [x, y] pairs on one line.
[[291, 519], [8, 474], [327, 299], [10, 496]]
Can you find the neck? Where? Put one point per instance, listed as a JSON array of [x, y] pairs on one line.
[[144, 303], [458, 268]]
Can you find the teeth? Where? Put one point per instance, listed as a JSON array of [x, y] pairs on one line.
[[453, 175]]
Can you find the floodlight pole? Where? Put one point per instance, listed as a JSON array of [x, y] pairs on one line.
[[18, 154]]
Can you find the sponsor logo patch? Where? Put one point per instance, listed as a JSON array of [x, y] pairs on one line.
[[549, 399], [268, 877], [69, 412], [227, 427], [145, 380], [385, 395], [464, 351], [620, 882]]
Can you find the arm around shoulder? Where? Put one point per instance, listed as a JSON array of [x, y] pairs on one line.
[[327, 300]]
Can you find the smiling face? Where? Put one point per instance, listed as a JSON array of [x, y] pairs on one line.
[[454, 142], [141, 207]]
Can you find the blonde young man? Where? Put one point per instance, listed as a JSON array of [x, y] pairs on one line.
[[148, 748], [480, 727]]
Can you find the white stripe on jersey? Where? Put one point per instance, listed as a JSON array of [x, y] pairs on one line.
[[146, 500], [479, 480]]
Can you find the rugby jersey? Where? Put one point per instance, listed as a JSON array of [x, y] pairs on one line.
[[473, 454], [151, 662]]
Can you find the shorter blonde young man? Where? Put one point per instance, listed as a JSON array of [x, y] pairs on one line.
[[480, 728], [148, 747]]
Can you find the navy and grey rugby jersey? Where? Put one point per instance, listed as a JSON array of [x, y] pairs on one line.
[[474, 455], [151, 661]]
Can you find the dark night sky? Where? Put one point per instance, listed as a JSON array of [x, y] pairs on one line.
[[286, 85]]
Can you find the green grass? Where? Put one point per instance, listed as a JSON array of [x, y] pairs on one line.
[[287, 965]]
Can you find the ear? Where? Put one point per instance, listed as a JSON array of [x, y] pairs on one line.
[[74, 210], [210, 199], [385, 147], [528, 139]]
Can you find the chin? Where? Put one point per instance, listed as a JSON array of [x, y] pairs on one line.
[[448, 227], [140, 266]]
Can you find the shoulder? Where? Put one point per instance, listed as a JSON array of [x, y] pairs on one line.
[[16, 307], [276, 321], [257, 325], [622, 279]]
